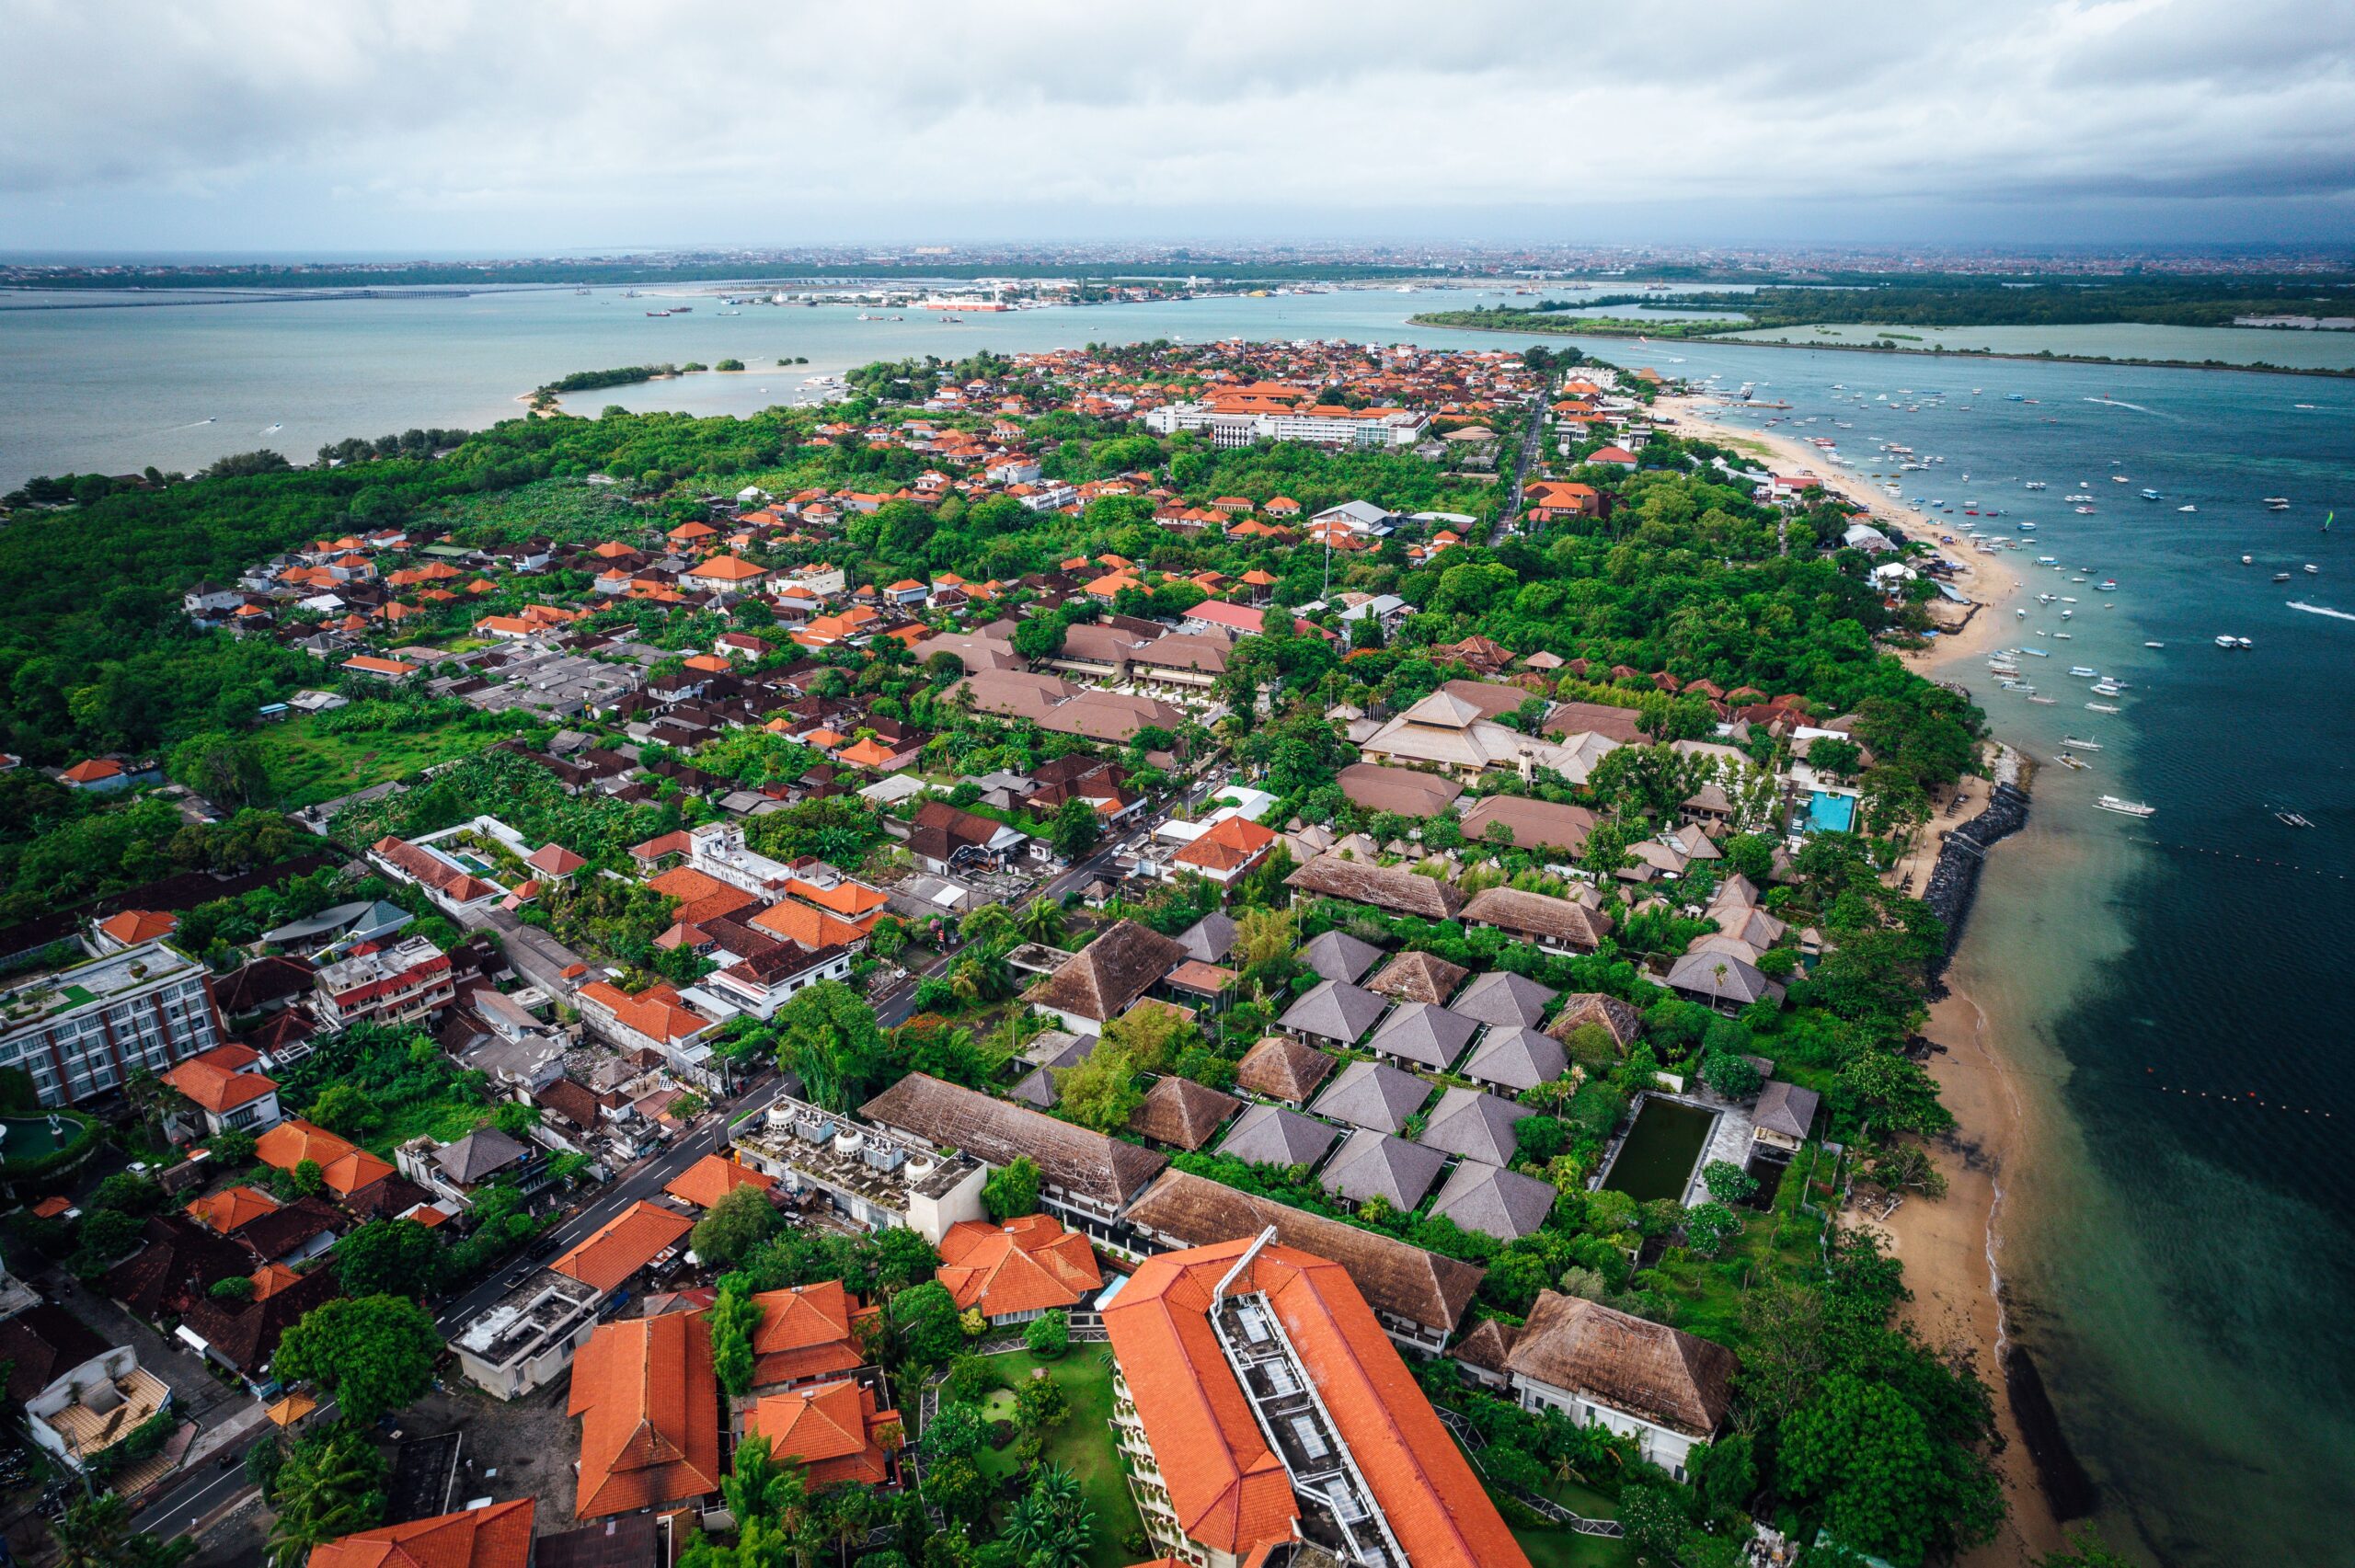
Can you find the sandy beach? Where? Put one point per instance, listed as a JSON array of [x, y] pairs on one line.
[[1949, 1246], [1988, 578]]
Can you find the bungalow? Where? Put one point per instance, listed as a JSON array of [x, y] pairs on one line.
[[1555, 925], [227, 1091], [1106, 977], [1384, 887], [1662, 1387]]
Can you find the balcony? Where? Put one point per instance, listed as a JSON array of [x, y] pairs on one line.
[[106, 1413]]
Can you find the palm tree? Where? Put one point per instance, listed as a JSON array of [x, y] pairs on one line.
[[328, 1490], [1031, 1526], [1041, 920], [1058, 1486]]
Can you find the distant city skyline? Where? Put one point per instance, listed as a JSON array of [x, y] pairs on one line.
[[479, 130]]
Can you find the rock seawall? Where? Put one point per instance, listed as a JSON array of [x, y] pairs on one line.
[[1954, 881]]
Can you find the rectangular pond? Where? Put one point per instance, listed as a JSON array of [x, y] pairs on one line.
[[1658, 1156]]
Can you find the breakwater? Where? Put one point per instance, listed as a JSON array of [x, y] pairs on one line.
[[1954, 881]]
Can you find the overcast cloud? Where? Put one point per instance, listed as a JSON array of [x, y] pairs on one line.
[[355, 125]]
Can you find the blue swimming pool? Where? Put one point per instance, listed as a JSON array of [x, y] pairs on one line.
[[1831, 813]]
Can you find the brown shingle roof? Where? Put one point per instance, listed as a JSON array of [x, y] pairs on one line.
[[1404, 791], [1398, 1278], [1537, 914], [1102, 1169], [1109, 973], [1533, 824], [1664, 1375], [1417, 975], [1181, 1111], [1385, 888], [1282, 1069], [1619, 1020]]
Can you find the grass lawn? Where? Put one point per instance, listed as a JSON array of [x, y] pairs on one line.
[[1082, 1445], [446, 1117], [307, 765], [1563, 1549]]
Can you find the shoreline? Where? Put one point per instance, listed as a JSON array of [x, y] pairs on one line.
[[2341, 373], [1951, 1247], [1989, 580]]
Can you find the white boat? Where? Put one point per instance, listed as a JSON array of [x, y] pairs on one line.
[[2229, 641], [2073, 744], [2084, 671], [2187, 508], [2068, 762], [2099, 708], [2045, 701], [2106, 688], [2313, 570], [2154, 644], [2033, 485], [2248, 560], [2085, 511], [2125, 807]]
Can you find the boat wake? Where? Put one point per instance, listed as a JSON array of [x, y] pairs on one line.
[[2117, 403], [2321, 610]]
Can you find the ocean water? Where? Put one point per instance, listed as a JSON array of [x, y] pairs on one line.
[[2105, 339], [2182, 1244]]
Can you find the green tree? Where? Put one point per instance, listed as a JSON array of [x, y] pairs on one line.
[[734, 1318], [1727, 1181], [372, 1353], [925, 1318], [226, 768], [1709, 1226], [1102, 1092], [348, 1109], [1074, 828], [389, 1258], [1886, 1481], [1041, 920], [740, 1220], [330, 1487], [1012, 1190], [1047, 1335], [829, 1039], [96, 1532]]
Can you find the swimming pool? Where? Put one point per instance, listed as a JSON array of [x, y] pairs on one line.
[[1828, 813], [1660, 1150]]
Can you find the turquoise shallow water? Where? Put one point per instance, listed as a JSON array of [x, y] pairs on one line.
[[2183, 1245]]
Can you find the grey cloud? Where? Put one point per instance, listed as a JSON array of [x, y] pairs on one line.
[[564, 121]]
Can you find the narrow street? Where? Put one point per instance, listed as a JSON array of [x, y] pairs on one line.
[[1529, 444]]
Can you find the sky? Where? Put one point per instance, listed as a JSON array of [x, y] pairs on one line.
[[507, 127]]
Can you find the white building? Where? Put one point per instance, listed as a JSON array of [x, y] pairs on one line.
[[85, 1028], [1662, 1387], [527, 1337]]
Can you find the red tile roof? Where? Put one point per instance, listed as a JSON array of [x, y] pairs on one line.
[[216, 1079], [134, 926], [808, 1331], [712, 1177], [649, 1405], [497, 1537], [1024, 1266], [1231, 1493], [624, 1244], [347, 1168], [1229, 845], [833, 1429]]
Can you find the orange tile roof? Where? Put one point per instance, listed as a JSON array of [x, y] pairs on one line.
[[231, 1207], [215, 1081], [833, 1429], [727, 569], [272, 1278], [653, 1013], [693, 530], [1230, 1493], [868, 753], [812, 928], [134, 926], [1024, 1266], [624, 1244], [346, 1167], [1228, 846], [497, 1537], [808, 1331], [649, 1415], [852, 901], [369, 664], [714, 1176]]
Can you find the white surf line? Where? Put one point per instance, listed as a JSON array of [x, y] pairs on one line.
[[2321, 610]]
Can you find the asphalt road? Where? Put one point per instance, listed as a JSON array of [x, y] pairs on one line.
[[1529, 441]]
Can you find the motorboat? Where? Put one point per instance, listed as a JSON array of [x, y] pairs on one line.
[[2228, 641], [2154, 644], [2125, 807], [2073, 744], [2311, 570], [2100, 708], [2066, 760], [2083, 672]]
